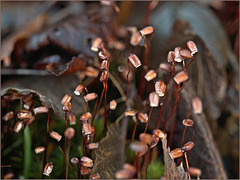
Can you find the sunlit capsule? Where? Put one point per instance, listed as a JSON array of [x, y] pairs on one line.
[[147, 30], [29, 121], [104, 76], [85, 117], [104, 55], [194, 171], [96, 43], [40, 110], [145, 138], [72, 118], [66, 98], [135, 38], [91, 72], [93, 130], [113, 105], [48, 169], [188, 146], [85, 170], [192, 47], [86, 159], [94, 176], [18, 126], [117, 45], [8, 116], [176, 153], [150, 75], [92, 146], [69, 133], [130, 113], [8, 175], [104, 65], [40, 149], [197, 105], [177, 56], [86, 128], [181, 77], [24, 114], [139, 147], [75, 161], [79, 89], [134, 60], [165, 67], [90, 97], [55, 135], [153, 99], [158, 133], [171, 57], [86, 164], [160, 88], [143, 118], [155, 140], [67, 107], [188, 122], [185, 53]]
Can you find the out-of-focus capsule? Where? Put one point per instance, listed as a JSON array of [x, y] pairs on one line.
[[139, 147], [72, 118], [150, 75], [145, 138], [91, 72], [171, 57], [86, 159], [147, 30], [75, 161], [135, 38], [40, 149], [188, 146], [130, 113], [155, 140], [86, 164], [48, 169], [180, 77], [165, 67], [92, 146], [113, 105], [95, 176], [158, 133], [96, 43], [154, 99], [160, 88], [85, 170], [90, 97], [197, 105], [18, 126], [194, 171], [8, 175], [134, 60], [104, 65], [69, 133], [143, 118], [55, 135], [8, 116], [40, 110], [86, 128]]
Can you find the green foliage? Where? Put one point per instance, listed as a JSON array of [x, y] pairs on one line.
[[155, 170]]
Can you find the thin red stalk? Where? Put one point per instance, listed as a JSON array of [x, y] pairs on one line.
[[135, 160], [94, 111], [99, 103], [105, 106], [150, 112], [185, 154], [64, 131], [160, 113], [134, 130], [110, 111], [128, 79], [180, 158], [147, 15], [147, 101], [174, 117], [79, 170], [183, 64], [67, 157], [189, 63], [147, 157]]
